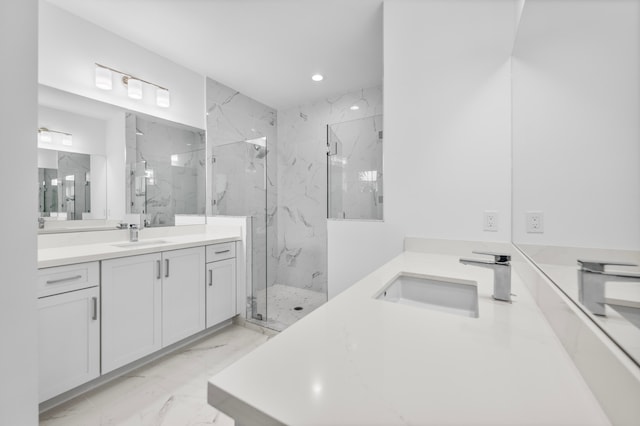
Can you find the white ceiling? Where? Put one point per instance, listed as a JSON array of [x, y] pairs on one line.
[[266, 49]]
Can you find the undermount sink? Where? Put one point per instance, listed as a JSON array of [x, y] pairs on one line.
[[141, 243], [449, 295]]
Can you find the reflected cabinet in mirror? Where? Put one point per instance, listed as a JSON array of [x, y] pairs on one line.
[[165, 170], [576, 155]]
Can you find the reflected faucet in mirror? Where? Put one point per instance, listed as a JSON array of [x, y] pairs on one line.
[[591, 283]]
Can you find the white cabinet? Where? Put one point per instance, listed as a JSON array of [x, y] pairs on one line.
[[68, 329], [183, 298], [221, 291], [149, 302], [131, 309], [221, 282]]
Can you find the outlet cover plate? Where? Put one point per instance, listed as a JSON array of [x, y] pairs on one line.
[[491, 220], [535, 222]]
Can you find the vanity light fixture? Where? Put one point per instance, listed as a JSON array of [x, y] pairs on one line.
[[134, 85], [317, 77], [46, 135]]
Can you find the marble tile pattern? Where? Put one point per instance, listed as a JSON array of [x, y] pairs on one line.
[[237, 179], [74, 194], [169, 391], [355, 169], [302, 183], [175, 170]]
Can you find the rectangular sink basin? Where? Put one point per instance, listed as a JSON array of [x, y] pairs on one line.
[[141, 243], [454, 296]]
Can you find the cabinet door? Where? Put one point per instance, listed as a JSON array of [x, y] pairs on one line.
[[68, 341], [183, 298], [221, 291], [131, 309]]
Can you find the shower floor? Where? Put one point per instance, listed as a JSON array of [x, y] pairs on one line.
[[281, 302]]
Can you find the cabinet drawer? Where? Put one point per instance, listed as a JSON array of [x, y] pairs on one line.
[[221, 251], [61, 279]]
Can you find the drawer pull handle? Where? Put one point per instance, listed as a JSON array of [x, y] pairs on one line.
[[94, 316], [223, 251], [62, 280]]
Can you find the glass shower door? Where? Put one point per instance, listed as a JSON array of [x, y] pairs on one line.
[[240, 189], [354, 169]]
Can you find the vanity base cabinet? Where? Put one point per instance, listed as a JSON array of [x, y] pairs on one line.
[[131, 309], [68, 341], [183, 299], [221, 291]]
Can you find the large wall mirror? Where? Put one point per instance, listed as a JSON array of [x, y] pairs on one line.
[[100, 165], [576, 155]]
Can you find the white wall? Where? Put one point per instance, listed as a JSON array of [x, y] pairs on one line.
[[88, 133], [69, 47], [576, 109], [447, 117], [447, 134], [18, 170]]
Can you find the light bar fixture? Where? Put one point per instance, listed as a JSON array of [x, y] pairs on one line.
[[46, 135], [104, 80]]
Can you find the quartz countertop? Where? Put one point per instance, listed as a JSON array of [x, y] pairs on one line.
[[361, 361], [88, 252]]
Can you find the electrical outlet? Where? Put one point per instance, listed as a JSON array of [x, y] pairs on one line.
[[535, 223], [491, 221]]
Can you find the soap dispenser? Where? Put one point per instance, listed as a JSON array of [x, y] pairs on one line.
[[133, 232]]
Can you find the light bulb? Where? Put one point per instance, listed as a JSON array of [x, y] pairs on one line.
[[162, 98], [67, 140], [103, 78], [45, 136], [134, 88]]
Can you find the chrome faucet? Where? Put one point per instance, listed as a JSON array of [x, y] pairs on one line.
[[501, 266], [591, 283], [41, 223], [133, 232]]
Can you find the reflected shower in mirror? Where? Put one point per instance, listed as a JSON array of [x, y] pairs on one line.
[[165, 170], [576, 155]]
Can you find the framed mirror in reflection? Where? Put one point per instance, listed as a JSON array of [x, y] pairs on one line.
[[576, 156], [101, 165]]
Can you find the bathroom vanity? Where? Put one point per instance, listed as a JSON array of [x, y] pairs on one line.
[[105, 304], [362, 360]]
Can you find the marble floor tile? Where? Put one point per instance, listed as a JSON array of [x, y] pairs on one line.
[[171, 391], [282, 301]]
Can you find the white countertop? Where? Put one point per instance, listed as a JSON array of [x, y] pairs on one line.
[[361, 361], [78, 253]]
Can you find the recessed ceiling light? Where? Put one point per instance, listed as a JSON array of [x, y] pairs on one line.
[[317, 77], [354, 107]]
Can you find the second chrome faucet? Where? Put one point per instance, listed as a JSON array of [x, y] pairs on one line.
[[501, 266]]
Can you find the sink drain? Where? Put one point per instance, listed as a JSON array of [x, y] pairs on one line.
[[298, 308]]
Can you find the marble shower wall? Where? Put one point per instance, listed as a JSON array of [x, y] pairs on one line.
[[165, 169], [355, 169], [302, 184], [237, 181]]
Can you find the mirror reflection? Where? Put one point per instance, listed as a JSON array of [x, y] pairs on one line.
[[165, 170], [576, 177]]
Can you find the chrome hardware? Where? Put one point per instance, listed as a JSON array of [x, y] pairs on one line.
[[62, 280], [94, 301], [222, 251], [159, 264], [210, 277], [41, 223], [591, 283], [166, 266], [133, 232], [501, 266]]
